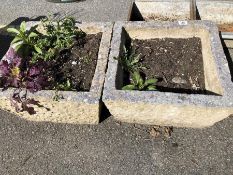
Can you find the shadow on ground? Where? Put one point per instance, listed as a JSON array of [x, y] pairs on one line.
[[229, 58], [112, 148]]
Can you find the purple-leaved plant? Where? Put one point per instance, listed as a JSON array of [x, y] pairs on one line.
[[17, 72], [10, 69]]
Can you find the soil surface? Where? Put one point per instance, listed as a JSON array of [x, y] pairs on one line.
[[78, 64], [225, 27], [154, 17], [176, 63]]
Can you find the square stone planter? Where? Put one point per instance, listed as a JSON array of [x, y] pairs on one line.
[[75, 107], [160, 10], [220, 12], [216, 11], [167, 108]]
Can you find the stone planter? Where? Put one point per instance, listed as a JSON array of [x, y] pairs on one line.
[[75, 107], [158, 10], [219, 12], [167, 108]]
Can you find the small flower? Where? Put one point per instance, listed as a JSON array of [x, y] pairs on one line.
[[15, 71]]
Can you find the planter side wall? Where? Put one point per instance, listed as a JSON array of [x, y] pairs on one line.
[[58, 111]]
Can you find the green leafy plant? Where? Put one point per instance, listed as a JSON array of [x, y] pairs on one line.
[[24, 40], [138, 83], [66, 86], [60, 35], [132, 64], [130, 61]]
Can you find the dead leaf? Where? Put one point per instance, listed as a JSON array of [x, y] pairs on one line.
[[168, 130], [154, 132]]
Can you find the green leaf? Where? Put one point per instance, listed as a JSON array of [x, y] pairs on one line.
[[13, 30], [137, 79], [68, 83], [38, 49], [151, 88], [150, 81], [129, 87], [16, 39], [18, 46], [135, 59], [32, 34], [23, 26], [125, 50]]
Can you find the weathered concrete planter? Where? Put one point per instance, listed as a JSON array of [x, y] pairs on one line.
[[166, 108], [219, 12], [160, 10], [76, 107]]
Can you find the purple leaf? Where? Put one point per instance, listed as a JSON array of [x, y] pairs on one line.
[[33, 71], [36, 84], [17, 61], [15, 82], [4, 68], [10, 53], [31, 86]]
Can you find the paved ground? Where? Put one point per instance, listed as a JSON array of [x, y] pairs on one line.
[[111, 147], [86, 10]]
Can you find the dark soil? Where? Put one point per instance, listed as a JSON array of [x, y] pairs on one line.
[[77, 64], [176, 63]]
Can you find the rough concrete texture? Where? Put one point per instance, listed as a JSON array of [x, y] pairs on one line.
[[157, 10], [74, 107], [217, 11], [28, 148], [164, 108], [14, 11], [229, 43]]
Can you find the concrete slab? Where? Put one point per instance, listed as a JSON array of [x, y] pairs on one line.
[[166, 108], [74, 107]]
